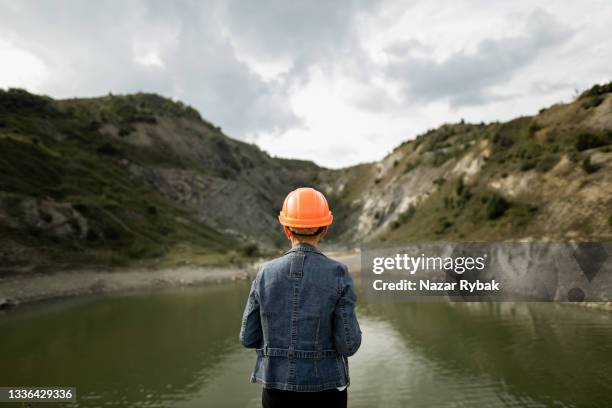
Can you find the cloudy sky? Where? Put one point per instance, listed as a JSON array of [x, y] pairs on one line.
[[337, 82]]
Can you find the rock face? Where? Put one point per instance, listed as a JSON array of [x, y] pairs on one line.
[[120, 178], [547, 176]]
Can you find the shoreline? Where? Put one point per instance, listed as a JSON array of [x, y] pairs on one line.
[[17, 290]]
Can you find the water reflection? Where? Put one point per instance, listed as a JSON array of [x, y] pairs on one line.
[[179, 348], [150, 350], [507, 354]]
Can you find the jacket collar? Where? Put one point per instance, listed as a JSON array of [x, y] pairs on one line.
[[303, 247]]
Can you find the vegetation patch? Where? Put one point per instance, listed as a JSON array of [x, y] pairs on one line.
[[496, 206], [588, 140], [547, 162]]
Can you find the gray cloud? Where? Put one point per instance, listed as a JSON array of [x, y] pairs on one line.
[[89, 49], [303, 31], [210, 54], [467, 78]]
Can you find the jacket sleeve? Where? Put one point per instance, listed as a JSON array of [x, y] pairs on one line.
[[251, 334], [347, 334]]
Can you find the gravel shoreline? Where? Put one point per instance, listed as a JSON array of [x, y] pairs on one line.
[[17, 290], [28, 288]]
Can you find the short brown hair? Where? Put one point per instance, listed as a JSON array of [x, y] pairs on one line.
[[306, 234]]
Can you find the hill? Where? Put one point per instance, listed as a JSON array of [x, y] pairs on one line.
[[120, 178], [546, 176], [117, 179]]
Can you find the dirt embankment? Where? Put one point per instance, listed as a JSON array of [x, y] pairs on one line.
[[15, 289], [24, 289]]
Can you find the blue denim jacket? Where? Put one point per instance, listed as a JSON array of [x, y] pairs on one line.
[[300, 316]]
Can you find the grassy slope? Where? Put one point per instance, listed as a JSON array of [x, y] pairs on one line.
[[53, 151], [538, 179], [459, 211]]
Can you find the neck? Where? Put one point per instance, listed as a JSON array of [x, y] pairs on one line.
[[295, 242]]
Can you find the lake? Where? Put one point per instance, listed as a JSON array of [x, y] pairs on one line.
[[179, 348]]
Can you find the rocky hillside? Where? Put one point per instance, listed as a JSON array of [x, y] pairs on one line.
[[115, 179], [118, 178], [547, 176]]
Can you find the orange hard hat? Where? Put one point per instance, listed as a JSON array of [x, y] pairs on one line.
[[305, 208]]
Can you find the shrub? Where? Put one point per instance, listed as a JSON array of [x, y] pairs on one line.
[[585, 141], [226, 155], [463, 196], [534, 127], [439, 158], [439, 181], [496, 207], [46, 217], [547, 162], [15, 99], [597, 90], [529, 151], [404, 217], [444, 225], [408, 214], [112, 233], [460, 187], [502, 141], [409, 167], [92, 235], [528, 165], [125, 131], [246, 163], [250, 249], [593, 102], [81, 208], [108, 149]]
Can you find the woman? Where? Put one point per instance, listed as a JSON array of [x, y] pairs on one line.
[[300, 314]]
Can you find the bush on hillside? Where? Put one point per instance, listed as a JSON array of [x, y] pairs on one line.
[[17, 99], [587, 140], [593, 102], [597, 90], [251, 249], [547, 162], [496, 207]]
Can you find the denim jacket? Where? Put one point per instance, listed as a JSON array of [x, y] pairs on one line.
[[300, 318]]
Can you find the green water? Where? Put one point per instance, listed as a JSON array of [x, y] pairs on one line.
[[179, 348]]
